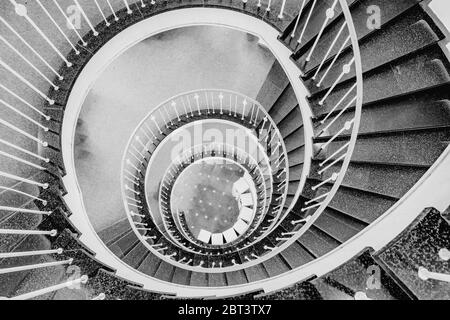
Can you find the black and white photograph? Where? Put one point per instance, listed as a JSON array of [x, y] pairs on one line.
[[214, 158]]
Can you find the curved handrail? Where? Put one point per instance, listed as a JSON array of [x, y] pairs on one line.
[[346, 12], [227, 149], [167, 112]]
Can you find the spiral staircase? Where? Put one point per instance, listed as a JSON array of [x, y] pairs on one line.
[[328, 203]]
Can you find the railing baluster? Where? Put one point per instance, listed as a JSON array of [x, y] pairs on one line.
[[311, 207], [268, 5], [17, 178], [22, 210], [69, 22], [131, 164], [25, 102], [27, 44], [22, 11], [57, 287], [9, 144], [103, 14], [347, 126]]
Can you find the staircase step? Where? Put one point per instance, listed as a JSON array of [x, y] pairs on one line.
[[41, 278], [123, 245], [217, 280], [418, 111], [81, 255], [301, 291], [10, 281], [293, 188], [149, 265], [113, 232], [275, 266], [362, 274], [256, 273], [21, 221], [116, 288], [314, 24], [360, 205], [181, 276], [290, 123], [296, 157], [332, 292], [295, 255], [337, 226], [165, 271], [295, 172], [424, 70]]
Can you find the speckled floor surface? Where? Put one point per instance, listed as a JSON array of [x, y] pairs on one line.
[[203, 192], [151, 72]]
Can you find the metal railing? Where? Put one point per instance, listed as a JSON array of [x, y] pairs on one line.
[[190, 107], [215, 151], [44, 59]]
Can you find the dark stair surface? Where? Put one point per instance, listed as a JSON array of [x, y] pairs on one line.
[[404, 129], [418, 246]]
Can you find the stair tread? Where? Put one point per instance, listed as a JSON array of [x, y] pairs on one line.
[[136, 255], [410, 33], [418, 246]]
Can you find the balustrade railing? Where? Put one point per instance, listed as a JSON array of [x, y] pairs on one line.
[[263, 186], [44, 53]]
